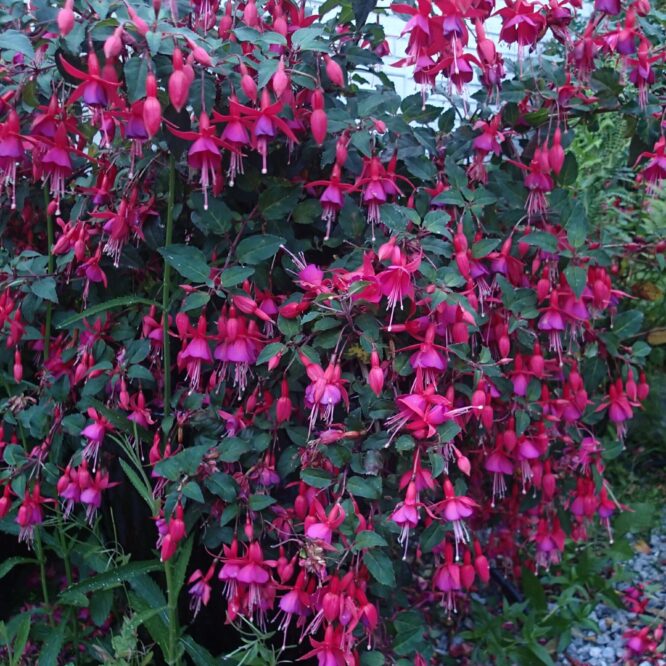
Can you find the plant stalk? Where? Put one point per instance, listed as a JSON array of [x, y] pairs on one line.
[[50, 239], [39, 551], [172, 610], [166, 295]]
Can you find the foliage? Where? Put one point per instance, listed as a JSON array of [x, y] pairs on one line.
[[323, 357]]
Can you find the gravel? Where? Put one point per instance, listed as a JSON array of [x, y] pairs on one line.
[[607, 647]]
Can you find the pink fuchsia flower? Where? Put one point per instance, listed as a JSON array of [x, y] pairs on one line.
[[195, 353], [447, 578], [396, 280], [204, 154], [30, 514], [325, 391], [456, 509], [200, 589], [549, 543], [500, 465], [11, 153], [321, 526], [91, 492], [406, 515], [94, 434], [332, 198]]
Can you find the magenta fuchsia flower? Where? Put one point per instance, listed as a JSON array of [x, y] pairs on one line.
[[293, 394], [200, 589], [456, 508], [406, 515], [94, 434]]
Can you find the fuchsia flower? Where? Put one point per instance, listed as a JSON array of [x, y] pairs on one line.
[[396, 280], [91, 492], [94, 434], [197, 351], [549, 543], [655, 170], [325, 391], [406, 515], [321, 526], [456, 508], [30, 514], [200, 589], [204, 154], [11, 153]]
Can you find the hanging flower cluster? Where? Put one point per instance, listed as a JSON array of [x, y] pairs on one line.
[[355, 361]]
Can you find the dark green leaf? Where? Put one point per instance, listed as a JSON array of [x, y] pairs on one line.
[[189, 261], [255, 249], [380, 567]]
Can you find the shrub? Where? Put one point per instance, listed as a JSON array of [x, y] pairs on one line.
[[328, 355]]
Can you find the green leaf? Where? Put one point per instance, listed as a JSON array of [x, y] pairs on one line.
[[317, 478], [232, 448], [368, 539], [100, 606], [534, 590], [88, 313], [136, 71], [540, 653], [7, 565], [192, 490], [180, 568], [17, 42], [627, 324], [260, 502], [309, 39], [53, 645], [432, 536], [362, 9], [447, 431], [577, 226], [278, 202], [541, 239], [108, 579], [380, 567], [269, 351], [484, 247], [222, 485], [20, 639], [230, 277], [45, 288], [139, 485], [369, 487], [255, 249], [577, 279], [189, 261], [199, 655]]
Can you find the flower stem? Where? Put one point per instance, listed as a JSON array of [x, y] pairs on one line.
[[39, 551], [71, 612], [172, 608], [166, 295], [51, 267]]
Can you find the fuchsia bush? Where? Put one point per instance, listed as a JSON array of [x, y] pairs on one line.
[[351, 351]]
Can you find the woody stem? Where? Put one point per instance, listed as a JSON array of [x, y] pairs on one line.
[[166, 295], [39, 551], [51, 267], [172, 608]]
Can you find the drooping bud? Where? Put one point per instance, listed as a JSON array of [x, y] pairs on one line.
[[334, 72], [66, 18], [376, 375], [556, 153], [152, 111], [280, 80], [179, 82]]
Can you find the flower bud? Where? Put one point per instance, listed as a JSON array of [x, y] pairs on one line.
[[66, 18]]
